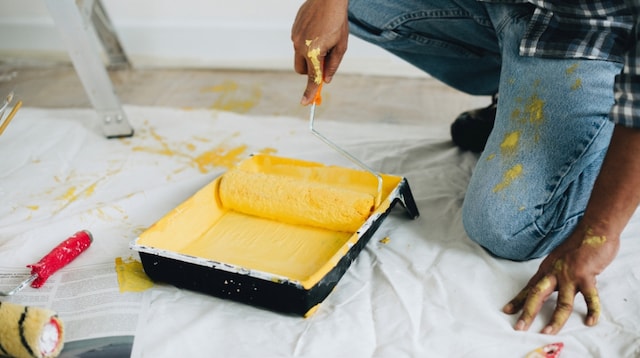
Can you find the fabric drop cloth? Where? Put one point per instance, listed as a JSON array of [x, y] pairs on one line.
[[420, 288]]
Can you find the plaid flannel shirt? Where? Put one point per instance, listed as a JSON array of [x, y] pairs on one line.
[[591, 29]]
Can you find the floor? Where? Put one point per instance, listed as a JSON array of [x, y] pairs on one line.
[[349, 97]]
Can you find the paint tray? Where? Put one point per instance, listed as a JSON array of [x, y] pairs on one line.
[[204, 247]]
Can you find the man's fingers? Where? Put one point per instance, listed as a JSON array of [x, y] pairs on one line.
[[332, 62], [515, 305], [564, 308], [300, 64], [592, 299], [309, 92], [538, 293]]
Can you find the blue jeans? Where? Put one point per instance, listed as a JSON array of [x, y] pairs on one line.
[[533, 180]]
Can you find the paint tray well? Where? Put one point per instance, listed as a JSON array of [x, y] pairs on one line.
[[202, 246]]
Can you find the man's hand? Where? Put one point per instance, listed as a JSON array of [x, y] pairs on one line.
[[569, 269], [319, 34], [573, 266]]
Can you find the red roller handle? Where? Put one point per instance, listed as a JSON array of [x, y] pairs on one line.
[[60, 256]]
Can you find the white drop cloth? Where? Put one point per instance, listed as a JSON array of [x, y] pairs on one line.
[[427, 292]]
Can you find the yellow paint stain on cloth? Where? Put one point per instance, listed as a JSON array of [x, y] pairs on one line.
[[131, 276], [33, 207], [219, 156], [163, 149], [70, 195], [509, 176]]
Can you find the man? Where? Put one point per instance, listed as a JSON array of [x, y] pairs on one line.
[[560, 173]]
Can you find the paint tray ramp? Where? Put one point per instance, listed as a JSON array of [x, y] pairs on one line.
[[204, 246]]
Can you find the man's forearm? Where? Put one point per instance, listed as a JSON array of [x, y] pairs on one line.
[[616, 193]]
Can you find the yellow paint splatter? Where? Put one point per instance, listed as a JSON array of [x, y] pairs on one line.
[[558, 266], [163, 149], [534, 109], [572, 69], [510, 143], [593, 240], [491, 156], [33, 207], [509, 176], [69, 195], [233, 97], [268, 150], [577, 84], [131, 276], [314, 56], [219, 157], [385, 240]]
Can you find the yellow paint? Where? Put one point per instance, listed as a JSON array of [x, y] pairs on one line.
[[544, 284], [131, 276], [219, 156], [508, 177], [577, 84], [313, 55], [33, 207], [385, 240], [534, 109], [594, 241], [303, 254], [268, 150], [558, 266], [233, 97], [510, 143], [572, 69], [164, 148], [491, 156]]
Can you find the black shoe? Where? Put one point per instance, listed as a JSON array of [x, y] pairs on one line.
[[471, 129]]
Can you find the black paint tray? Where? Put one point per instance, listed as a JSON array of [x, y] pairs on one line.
[[204, 247]]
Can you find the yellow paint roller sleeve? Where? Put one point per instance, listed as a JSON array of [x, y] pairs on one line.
[[29, 332], [295, 200]]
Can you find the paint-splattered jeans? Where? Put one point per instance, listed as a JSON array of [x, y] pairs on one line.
[[533, 180]]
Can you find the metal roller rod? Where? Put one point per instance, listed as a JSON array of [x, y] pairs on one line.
[[345, 154]]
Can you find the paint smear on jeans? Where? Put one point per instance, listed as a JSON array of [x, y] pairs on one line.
[[577, 84], [572, 69], [509, 145], [508, 177]]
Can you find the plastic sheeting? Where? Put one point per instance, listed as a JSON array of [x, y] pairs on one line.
[[419, 288]]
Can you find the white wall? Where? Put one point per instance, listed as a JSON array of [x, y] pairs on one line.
[[238, 34]]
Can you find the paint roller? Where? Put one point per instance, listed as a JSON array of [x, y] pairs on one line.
[[29, 332], [300, 201]]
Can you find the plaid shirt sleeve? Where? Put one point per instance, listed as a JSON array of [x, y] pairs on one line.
[[626, 110]]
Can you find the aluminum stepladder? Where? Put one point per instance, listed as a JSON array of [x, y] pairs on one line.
[[84, 24]]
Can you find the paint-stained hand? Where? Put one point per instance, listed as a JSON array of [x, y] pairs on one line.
[[319, 34], [570, 269]]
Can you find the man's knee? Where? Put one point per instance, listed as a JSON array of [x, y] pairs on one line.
[[499, 233]]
